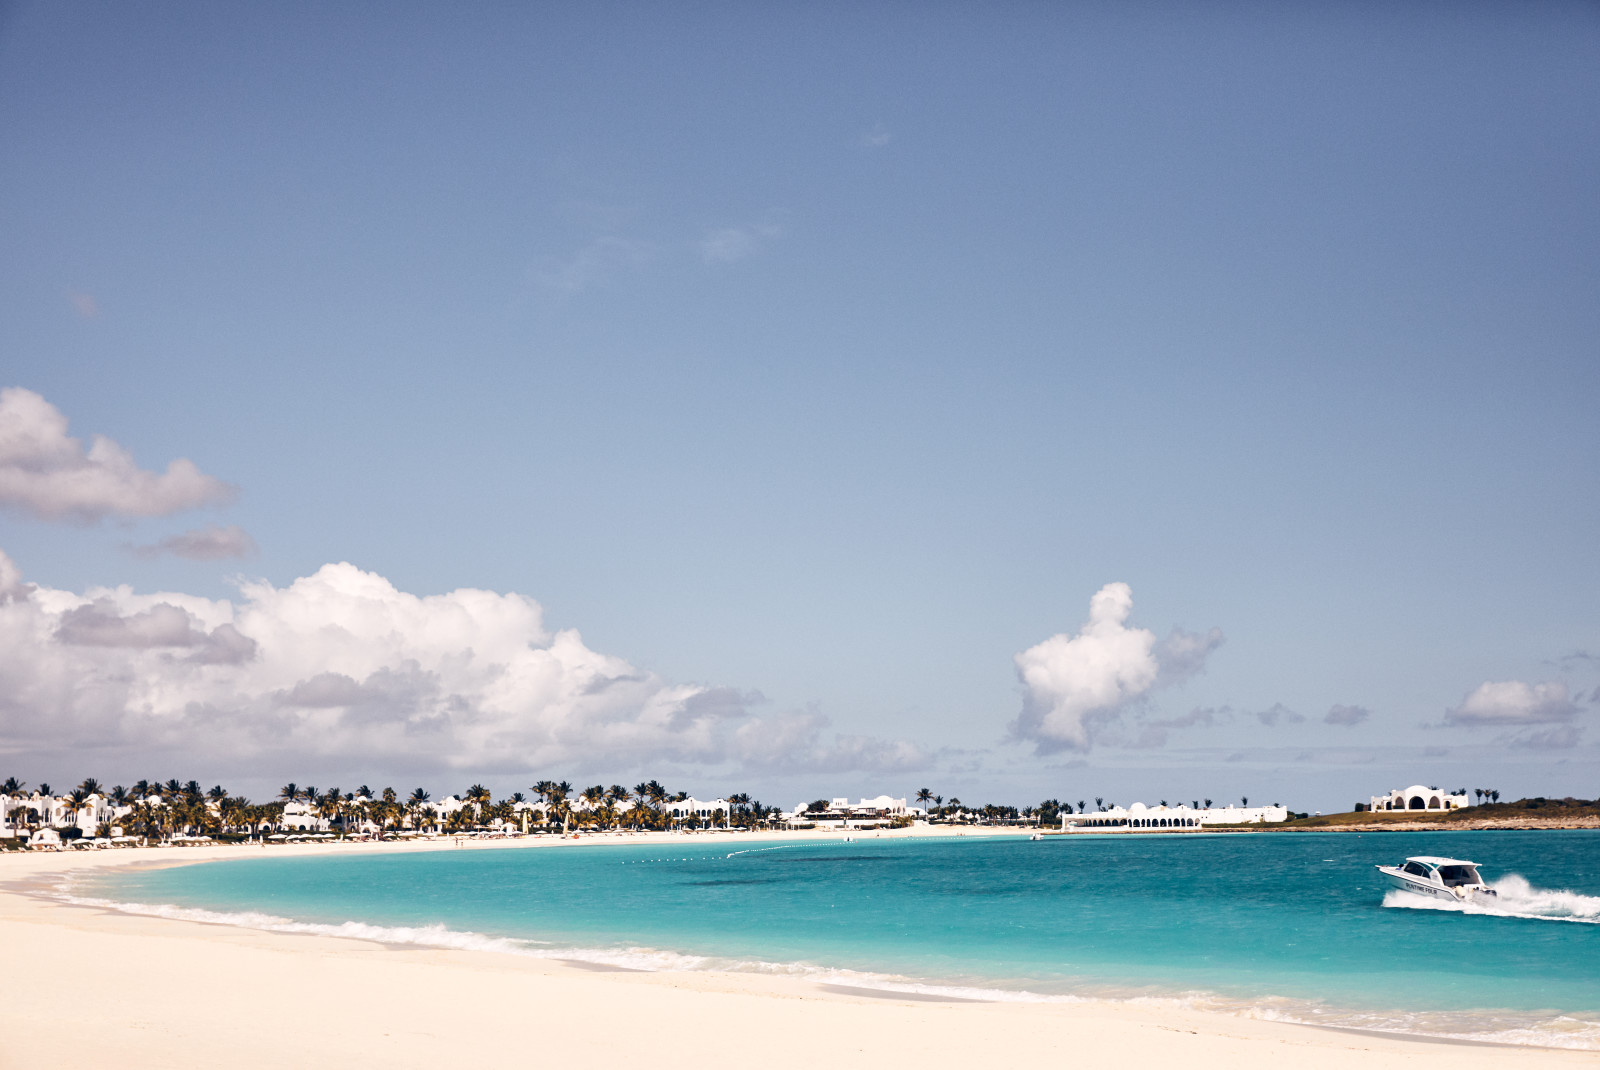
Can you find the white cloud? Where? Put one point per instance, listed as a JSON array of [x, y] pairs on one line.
[[1513, 702], [11, 585], [342, 669], [727, 244], [1074, 684], [101, 623], [47, 473], [1349, 716], [877, 137], [210, 543]]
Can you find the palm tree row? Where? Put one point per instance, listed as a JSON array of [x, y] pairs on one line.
[[163, 809]]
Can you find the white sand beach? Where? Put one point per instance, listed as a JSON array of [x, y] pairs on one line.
[[91, 987]]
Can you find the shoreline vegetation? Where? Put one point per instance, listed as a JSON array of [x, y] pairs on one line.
[[183, 813], [178, 812], [1523, 814]]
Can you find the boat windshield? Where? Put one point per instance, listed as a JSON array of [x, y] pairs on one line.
[[1416, 869], [1453, 876]]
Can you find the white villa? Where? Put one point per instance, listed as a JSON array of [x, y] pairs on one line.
[[1417, 797], [692, 807], [1140, 816], [55, 812]]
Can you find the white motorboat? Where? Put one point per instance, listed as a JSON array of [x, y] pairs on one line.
[[1454, 879]]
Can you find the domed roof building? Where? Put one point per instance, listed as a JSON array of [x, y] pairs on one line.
[[1417, 797]]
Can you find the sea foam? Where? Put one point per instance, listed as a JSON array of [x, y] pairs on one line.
[[1516, 898]]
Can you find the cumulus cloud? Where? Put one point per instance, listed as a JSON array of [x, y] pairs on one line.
[[101, 624], [1075, 684], [727, 244], [1513, 702], [48, 474], [210, 543], [1346, 715], [342, 668], [11, 585]]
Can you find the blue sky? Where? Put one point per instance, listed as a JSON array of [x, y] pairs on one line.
[[841, 353]]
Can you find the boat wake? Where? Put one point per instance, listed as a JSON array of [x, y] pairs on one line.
[[1515, 898]]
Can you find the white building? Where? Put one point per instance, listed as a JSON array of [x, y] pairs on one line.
[[56, 812], [1140, 816], [692, 807], [301, 817], [1417, 797], [841, 812]]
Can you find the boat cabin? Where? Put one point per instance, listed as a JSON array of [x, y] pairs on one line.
[[1451, 872]]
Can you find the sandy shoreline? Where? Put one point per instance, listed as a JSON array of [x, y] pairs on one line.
[[90, 986]]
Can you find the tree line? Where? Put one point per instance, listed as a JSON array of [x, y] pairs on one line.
[[164, 809]]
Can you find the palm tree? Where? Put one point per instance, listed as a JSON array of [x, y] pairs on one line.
[[1080, 806], [616, 794], [478, 796], [1208, 804], [414, 804], [90, 786], [330, 807], [1099, 802], [217, 793], [77, 801], [1244, 800], [924, 796]]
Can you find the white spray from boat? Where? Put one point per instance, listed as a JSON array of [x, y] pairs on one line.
[[1516, 898]]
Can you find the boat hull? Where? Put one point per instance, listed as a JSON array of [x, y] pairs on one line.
[[1407, 883]]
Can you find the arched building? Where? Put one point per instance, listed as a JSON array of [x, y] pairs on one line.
[[1417, 797]]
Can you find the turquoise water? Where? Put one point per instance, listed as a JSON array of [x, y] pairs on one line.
[[1290, 925]]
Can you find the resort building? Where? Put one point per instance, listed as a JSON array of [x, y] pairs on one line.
[[841, 812], [1417, 797], [1139, 816], [20, 815], [692, 807], [301, 817]]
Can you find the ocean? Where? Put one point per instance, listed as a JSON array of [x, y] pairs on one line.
[[1291, 926]]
